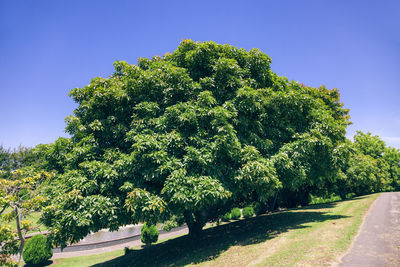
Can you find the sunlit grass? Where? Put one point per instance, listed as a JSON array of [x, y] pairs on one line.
[[316, 235], [33, 217]]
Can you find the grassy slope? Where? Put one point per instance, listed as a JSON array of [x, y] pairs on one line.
[[312, 236]]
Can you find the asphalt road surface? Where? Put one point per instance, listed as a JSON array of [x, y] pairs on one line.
[[378, 241]]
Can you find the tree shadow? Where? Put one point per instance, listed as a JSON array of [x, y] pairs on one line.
[[328, 205], [185, 250]]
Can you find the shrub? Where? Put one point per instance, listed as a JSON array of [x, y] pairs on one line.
[[149, 234], [323, 200], [226, 217], [258, 208], [37, 250], [248, 212], [169, 225], [173, 222], [235, 213]]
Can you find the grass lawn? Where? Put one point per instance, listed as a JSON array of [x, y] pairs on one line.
[[33, 217], [316, 235]]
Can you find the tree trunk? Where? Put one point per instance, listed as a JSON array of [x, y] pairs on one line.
[[195, 229], [274, 203], [20, 236], [194, 223]]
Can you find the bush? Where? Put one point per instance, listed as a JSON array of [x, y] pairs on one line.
[[173, 222], [37, 250], [169, 225], [257, 208], [235, 213], [350, 195], [149, 234], [226, 217], [248, 212]]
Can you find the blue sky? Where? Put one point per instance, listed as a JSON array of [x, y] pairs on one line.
[[48, 48]]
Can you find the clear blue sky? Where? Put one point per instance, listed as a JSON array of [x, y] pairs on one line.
[[49, 47]]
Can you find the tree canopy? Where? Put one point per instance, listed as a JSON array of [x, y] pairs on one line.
[[190, 134]]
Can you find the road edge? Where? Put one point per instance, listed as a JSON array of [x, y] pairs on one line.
[[335, 264]]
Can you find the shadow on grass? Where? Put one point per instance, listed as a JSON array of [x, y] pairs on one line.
[[184, 250], [47, 263]]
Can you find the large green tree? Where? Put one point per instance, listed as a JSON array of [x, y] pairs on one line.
[[191, 134]]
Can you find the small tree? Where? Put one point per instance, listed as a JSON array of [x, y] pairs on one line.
[[149, 234], [18, 198]]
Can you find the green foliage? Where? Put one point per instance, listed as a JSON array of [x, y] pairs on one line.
[[192, 134], [17, 158], [366, 166], [173, 222], [19, 197], [372, 166], [4, 158], [9, 245], [248, 212], [369, 144], [37, 250], [257, 208], [226, 217], [169, 225], [364, 175], [55, 156], [149, 234], [392, 158], [235, 214], [321, 200]]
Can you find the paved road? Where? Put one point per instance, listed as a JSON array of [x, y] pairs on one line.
[[378, 242]]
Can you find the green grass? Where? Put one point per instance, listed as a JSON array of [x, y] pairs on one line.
[[85, 261], [33, 217], [316, 235], [320, 200]]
